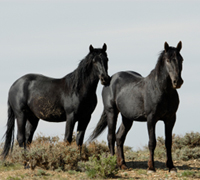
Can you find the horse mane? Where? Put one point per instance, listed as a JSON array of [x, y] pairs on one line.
[[160, 63], [81, 75]]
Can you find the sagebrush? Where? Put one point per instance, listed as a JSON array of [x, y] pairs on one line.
[[51, 153]]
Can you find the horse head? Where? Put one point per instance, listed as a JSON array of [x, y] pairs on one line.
[[173, 62], [100, 63]]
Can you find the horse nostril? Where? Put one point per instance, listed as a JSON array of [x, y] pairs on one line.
[[175, 82], [102, 78]]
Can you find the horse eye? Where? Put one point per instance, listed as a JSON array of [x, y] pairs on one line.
[[168, 60]]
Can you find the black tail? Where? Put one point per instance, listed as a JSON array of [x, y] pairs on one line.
[[100, 127], [9, 135]]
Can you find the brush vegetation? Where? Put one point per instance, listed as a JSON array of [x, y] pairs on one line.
[[50, 153]]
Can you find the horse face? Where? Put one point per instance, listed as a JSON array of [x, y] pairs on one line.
[[100, 64], [173, 61]]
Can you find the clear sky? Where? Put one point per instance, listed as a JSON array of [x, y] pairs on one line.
[[51, 37]]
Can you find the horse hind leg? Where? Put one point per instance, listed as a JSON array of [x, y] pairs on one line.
[[21, 123], [120, 138], [111, 120], [31, 126]]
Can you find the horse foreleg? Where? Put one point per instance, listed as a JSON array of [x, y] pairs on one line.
[[152, 143], [70, 122], [120, 138], [82, 125], [169, 124]]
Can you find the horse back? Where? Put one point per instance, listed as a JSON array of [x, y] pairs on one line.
[[123, 78], [37, 94]]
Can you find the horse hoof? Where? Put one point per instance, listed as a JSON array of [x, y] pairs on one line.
[[150, 171], [173, 171], [123, 167]]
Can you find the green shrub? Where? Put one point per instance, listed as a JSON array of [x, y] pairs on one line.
[[100, 167], [8, 166], [183, 148], [186, 153], [187, 173], [190, 140], [51, 153]]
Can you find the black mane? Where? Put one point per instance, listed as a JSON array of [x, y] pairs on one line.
[[80, 74]]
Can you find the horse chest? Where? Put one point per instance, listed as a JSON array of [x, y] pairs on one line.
[[88, 104], [166, 105], [81, 105]]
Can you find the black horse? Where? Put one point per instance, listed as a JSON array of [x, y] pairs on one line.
[[142, 99], [71, 99]]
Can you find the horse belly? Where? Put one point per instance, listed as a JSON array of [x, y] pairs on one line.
[[134, 115], [46, 110], [131, 108], [52, 115]]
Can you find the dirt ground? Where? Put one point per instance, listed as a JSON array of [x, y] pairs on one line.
[[137, 170]]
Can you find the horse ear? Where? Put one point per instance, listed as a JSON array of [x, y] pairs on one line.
[[91, 48], [104, 47], [166, 46], [179, 46]]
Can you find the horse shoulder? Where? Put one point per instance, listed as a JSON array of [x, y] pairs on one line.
[[124, 92]]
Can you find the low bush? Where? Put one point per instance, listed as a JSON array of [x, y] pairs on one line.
[[100, 166], [183, 147], [51, 153]]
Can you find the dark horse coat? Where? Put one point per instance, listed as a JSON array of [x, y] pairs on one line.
[[148, 99], [71, 99]]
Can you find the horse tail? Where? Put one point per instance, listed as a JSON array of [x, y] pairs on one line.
[[100, 127], [9, 135]]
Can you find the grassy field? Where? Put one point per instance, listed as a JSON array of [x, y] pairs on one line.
[[49, 158]]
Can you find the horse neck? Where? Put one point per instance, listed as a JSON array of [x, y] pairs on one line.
[[161, 79], [84, 80], [91, 83]]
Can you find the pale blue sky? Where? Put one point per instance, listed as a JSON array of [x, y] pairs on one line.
[[51, 37]]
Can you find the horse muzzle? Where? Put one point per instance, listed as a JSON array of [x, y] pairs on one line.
[[105, 80], [177, 83]]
